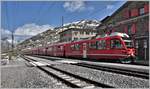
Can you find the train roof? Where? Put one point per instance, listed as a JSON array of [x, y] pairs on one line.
[[119, 34], [114, 34]]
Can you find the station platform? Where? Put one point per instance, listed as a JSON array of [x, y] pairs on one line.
[[142, 62], [105, 64]]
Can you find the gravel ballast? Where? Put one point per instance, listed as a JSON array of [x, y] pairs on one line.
[[113, 79]]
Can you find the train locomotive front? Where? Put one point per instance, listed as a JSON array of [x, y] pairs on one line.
[[127, 49]]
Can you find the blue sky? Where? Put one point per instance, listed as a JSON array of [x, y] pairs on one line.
[[22, 15]]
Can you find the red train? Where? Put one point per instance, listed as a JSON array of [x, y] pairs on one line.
[[116, 46]]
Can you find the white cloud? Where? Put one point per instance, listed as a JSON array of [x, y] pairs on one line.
[[109, 6], [10, 41], [24, 32], [31, 29], [5, 32], [74, 5], [7, 35]]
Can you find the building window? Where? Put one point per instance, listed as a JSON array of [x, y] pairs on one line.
[[82, 32], [69, 39], [141, 11], [75, 39], [87, 33], [75, 33]]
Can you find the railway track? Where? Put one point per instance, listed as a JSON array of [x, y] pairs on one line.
[[138, 74], [68, 78], [127, 72], [115, 70], [46, 57]]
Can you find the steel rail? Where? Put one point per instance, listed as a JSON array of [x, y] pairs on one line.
[[88, 81], [115, 70], [110, 69]]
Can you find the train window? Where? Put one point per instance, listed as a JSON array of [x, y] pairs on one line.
[[104, 44], [93, 45], [61, 48], [116, 44], [58, 47], [77, 47], [101, 44], [49, 49]]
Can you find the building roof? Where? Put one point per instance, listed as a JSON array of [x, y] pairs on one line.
[[118, 10], [107, 18], [77, 29]]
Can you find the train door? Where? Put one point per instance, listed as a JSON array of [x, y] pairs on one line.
[[64, 51], [46, 51], [84, 50], [54, 50]]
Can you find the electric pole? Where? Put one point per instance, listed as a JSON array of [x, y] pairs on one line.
[[62, 22], [12, 41]]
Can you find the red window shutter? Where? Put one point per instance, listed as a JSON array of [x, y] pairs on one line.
[[134, 12], [126, 13], [125, 29], [146, 8], [133, 29]]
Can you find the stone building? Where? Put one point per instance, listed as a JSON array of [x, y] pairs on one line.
[[131, 18], [74, 34]]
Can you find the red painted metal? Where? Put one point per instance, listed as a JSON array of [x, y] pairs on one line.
[[78, 50]]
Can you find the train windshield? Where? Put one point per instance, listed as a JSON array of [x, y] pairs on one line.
[[128, 42]]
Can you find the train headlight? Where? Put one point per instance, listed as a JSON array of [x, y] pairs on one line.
[[132, 54]]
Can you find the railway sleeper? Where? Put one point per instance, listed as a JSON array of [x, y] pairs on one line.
[[75, 81], [115, 70], [82, 82]]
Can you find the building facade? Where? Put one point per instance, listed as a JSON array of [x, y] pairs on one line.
[[131, 18], [74, 34]]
